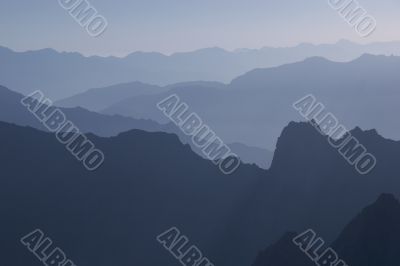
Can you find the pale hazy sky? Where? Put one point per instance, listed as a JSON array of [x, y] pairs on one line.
[[182, 25]]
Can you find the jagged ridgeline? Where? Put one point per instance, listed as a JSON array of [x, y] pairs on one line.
[[128, 201]]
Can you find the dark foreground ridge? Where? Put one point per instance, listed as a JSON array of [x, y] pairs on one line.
[[150, 182]]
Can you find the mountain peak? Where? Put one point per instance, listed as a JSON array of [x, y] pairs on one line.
[[282, 253], [373, 235], [387, 200], [297, 127], [371, 58], [296, 138], [301, 147], [357, 131], [317, 59]]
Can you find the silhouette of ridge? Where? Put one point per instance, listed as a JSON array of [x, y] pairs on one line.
[[371, 238]]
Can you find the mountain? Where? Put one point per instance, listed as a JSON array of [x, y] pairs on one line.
[[12, 111], [371, 238], [255, 107], [213, 64], [128, 201]]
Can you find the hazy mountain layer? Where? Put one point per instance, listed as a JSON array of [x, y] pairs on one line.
[[62, 75], [256, 106]]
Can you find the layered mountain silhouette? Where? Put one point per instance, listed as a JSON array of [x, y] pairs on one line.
[[63, 74], [256, 106], [371, 238], [127, 202], [12, 111]]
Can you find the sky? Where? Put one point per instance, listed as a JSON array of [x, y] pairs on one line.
[[169, 26]]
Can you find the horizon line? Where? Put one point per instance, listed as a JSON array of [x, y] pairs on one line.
[[236, 50]]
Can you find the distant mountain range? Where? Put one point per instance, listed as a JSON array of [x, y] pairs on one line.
[[62, 74], [256, 106], [12, 111], [151, 181], [371, 238]]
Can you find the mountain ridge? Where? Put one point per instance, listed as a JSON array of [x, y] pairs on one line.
[[370, 238]]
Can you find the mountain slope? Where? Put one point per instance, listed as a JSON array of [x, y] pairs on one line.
[[371, 238], [283, 253]]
